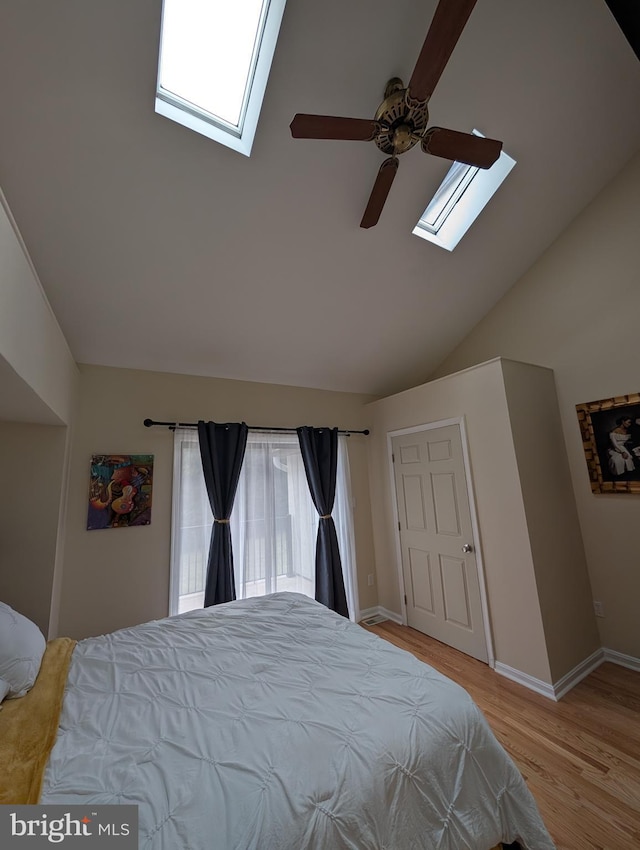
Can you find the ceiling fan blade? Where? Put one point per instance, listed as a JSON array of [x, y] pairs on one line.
[[380, 191], [463, 147], [446, 28], [330, 127]]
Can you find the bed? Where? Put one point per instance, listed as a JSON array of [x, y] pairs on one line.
[[275, 724]]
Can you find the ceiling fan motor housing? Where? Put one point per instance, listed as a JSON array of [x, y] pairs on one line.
[[403, 119]]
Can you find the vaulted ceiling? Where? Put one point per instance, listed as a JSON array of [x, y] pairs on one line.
[[160, 249]]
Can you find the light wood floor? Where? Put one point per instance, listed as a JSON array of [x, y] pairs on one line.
[[580, 756]]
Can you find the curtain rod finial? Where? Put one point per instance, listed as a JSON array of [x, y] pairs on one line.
[[148, 423]]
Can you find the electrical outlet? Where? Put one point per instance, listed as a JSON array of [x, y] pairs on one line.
[[598, 607], [370, 579]]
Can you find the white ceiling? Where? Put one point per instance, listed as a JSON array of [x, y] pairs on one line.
[[160, 249]]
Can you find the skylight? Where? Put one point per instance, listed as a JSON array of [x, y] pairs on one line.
[[215, 57], [459, 200]]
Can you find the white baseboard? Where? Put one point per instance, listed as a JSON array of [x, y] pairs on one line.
[[382, 612], [570, 679], [621, 659], [579, 672], [525, 679], [391, 615], [559, 688]]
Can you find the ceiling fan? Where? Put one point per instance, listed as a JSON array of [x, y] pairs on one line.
[[401, 120]]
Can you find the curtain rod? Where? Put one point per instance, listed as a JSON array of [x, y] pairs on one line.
[[173, 425]]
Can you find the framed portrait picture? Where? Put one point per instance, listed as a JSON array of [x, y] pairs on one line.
[[610, 431]]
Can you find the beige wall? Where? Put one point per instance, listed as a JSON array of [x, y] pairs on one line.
[[478, 395], [37, 372], [576, 311], [562, 580], [118, 577], [38, 384], [32, 463]]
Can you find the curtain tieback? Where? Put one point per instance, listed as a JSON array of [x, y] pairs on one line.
[[326, 516], [223, 521]]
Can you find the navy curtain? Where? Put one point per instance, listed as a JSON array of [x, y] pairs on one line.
[[319, 447], [222, 451]]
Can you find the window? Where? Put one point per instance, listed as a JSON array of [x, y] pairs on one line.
[[459, 200], [274, 523], [214, 62]]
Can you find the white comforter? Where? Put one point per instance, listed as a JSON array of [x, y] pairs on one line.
[[274, 724]]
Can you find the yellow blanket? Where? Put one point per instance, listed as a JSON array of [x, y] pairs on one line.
[[28, 727]]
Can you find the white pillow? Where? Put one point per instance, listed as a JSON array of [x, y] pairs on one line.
[[22, 646]]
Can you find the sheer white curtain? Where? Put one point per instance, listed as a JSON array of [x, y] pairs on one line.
[[273, 523], [191, 521], [343, 518]]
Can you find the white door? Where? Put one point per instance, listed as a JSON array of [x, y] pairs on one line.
[[440, 573]]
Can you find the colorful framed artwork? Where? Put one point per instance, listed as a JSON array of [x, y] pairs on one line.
[[120, 491], [610, 431]]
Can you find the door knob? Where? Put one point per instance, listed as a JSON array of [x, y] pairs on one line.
[[467, 547]]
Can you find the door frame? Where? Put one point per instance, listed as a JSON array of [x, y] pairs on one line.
[[441, 423]]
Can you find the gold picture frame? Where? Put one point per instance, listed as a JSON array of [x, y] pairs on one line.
[[610, 431]]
